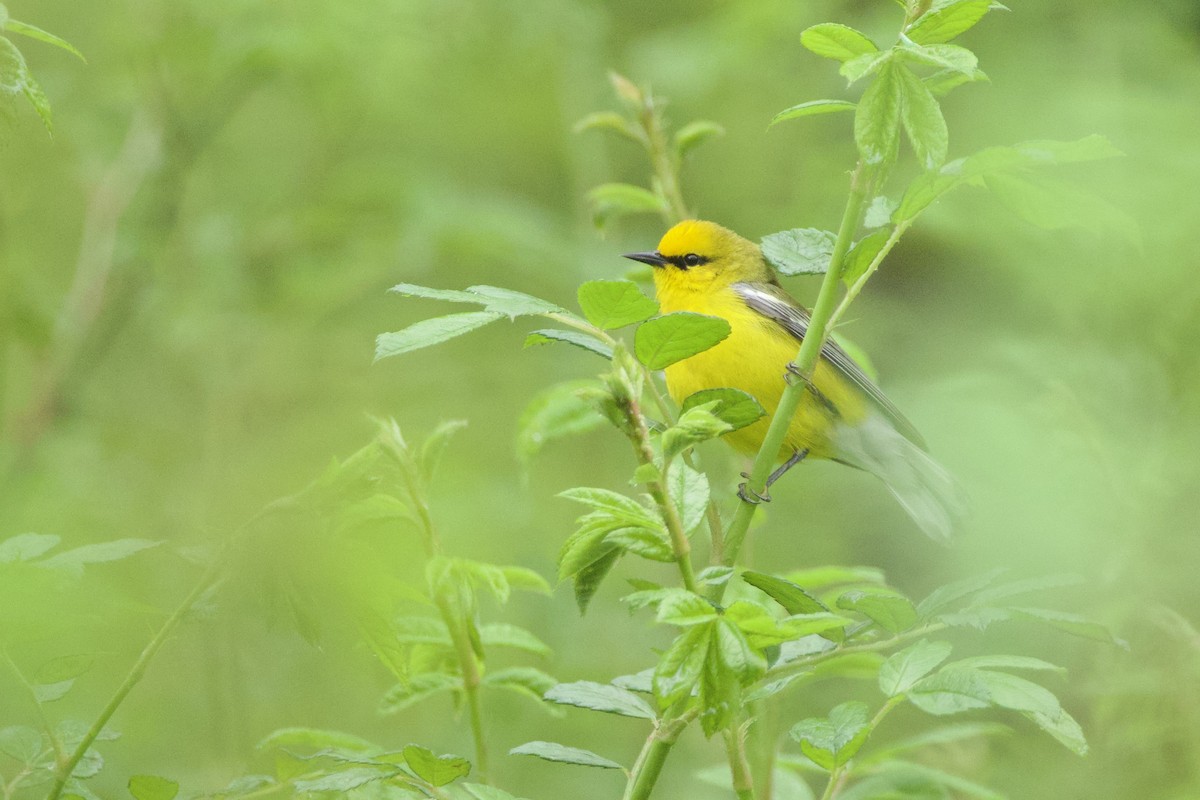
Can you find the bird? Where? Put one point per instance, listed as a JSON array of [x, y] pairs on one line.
[[702, 267]]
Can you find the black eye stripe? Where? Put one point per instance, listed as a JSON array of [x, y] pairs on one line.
[[687, 260]]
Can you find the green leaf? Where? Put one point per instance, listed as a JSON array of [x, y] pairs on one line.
[[761, 628], [1073, 624], [942, 56], [342, 781], [315, 738], [811, 109], [890, 611], [945, 81], [435, 444], [909, 780], [522, 579], [421, 630], [877, 121], [15, 77], [923, 120], [689, 492], [733, 406], [945, 596], [601, 697], [1053, 204], [501, 634], [103, 552], [430, 332], [612, 200], [494, 299], [946, 734], [948, 22], [609, 121], [556, 413], [838, 42], [862, 254], [588, 579], [831, 742], [152, 787], [695, 133], [25, 29], [684, 608], [551, 751], [21, 743], [645, 542], [860, 67], [678, 670], [950, 691], [697, 424], [1062, 727], [990, 596], [418, 688], [26, 546], [792, 597], [833, 575], [800, 251], [527, 681], [715, 576], [434, 769], [666, 340], [621, 507], [736, 654], [905, 668], [577, 338], [1006, 662], [614, 304]]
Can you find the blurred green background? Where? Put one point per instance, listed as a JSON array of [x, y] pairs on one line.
[[193, 270]]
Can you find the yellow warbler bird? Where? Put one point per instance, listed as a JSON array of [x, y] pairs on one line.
[[707, 269]]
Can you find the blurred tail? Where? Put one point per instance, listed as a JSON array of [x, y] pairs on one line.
[[924, 488]]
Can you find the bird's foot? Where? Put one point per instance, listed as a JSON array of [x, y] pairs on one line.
[[793, 375], [750, 496]]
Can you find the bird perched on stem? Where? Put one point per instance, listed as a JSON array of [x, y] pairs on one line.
[[707, 269]]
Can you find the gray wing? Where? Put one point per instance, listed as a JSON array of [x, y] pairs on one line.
[[773, 302]]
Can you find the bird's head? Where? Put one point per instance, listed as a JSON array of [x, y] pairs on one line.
[[699, 256]]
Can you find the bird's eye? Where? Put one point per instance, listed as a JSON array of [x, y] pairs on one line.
[[691, 259]]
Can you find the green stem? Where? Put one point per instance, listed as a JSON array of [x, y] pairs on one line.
[[55, 742], [654, 754], [806, 361], [739, 765], [853, 290], [138, 670], [837, 774], [666, 168], [803, 663]]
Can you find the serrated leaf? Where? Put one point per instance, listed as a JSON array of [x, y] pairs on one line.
[[587, 580], [733, 406], [695, 133], [343, 780], [21, 743], [892, 612], [527, 681], [430, 332], [678, 670], [152, 787], [697, 424], [601, 697], [688, 490], [1007, 662], [862, 254], [418, 688], [315, 738], [860, 67], [510, 303], [1053, 204], [945, 596], [950, 21], [839, 42], [923, 120], [434, 769], [800, 251], [612, 200], [26, 546], [684, 608], [942, 56], [103, 552], [523, 579], [645, 542], [811, 109], [832, 741], [614, 304], [556, 413], [828, 576], [1063, 728], [905, 668], [609, 121], [669, 339], [789, 595], [950, 692], [502, 634], [552, 751], [33, 32], [945, 81], [877, 120], [1071, 623]]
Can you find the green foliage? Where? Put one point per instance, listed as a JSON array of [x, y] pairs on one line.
[[668, 339], [15, 75]]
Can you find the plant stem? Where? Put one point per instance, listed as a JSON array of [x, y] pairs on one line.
[[739, 765], [803, 663], [65, 769], [806, 361], [654, 754], [853, 290], [838, 774], [666, 168]]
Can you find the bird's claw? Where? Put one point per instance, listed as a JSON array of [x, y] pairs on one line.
[[793, 375], [750, 496]]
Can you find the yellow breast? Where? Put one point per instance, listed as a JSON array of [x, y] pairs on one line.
[[754, 358]]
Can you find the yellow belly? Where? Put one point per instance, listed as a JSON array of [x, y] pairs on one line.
[[754, 358]]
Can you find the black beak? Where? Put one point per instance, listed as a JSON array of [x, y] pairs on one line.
[[653, 258]]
